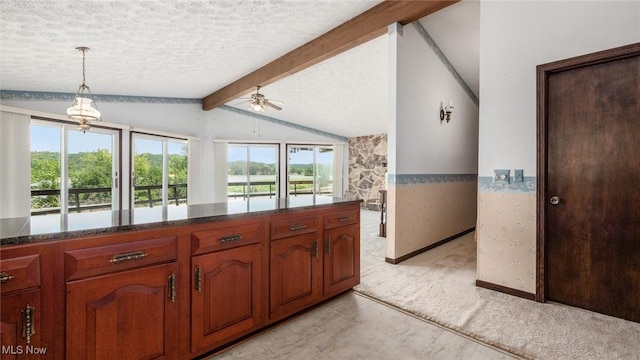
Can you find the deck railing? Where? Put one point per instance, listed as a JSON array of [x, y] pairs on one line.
[[176, 197], [294, 188]]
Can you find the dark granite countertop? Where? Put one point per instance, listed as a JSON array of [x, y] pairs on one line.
[[43, 228]]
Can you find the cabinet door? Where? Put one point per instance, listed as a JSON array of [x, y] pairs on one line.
[[341, 259], [20, 326], [296, 273], [127, 315], [226, 295]]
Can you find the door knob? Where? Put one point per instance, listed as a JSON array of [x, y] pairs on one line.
[[554, 200]]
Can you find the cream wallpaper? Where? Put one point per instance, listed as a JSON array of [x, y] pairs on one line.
[[506, 233], [425, 209]]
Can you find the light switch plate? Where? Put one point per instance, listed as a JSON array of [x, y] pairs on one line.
[[518, 175], [501, 176]]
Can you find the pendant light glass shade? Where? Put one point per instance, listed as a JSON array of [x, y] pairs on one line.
[[83, 109]]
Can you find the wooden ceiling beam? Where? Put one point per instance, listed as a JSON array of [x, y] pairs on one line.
[[362, 28]]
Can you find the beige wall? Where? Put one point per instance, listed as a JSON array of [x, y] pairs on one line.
[[506, 234], [428, 208]]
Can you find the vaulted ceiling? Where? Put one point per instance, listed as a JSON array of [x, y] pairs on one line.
[[193, 48]]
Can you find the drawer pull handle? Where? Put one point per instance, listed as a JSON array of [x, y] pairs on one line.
[[198, 280], [297, 227], [28, 326], [314, 249], [226, 239], [327, 245], [126, 257], [172, 287], [343, 219], [4, 277]]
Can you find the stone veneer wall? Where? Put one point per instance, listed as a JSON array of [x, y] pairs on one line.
[[367, 168]]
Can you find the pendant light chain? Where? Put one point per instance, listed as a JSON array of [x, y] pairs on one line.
[[84, 76]]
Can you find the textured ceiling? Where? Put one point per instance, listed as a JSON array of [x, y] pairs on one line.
[[189, 49]]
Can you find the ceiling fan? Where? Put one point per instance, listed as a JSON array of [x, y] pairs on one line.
[[257, 102]]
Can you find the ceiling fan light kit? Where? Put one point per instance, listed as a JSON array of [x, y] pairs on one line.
[[258, 103]]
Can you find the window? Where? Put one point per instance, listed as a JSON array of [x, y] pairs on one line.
[[310, 170], [71, 170], [252, 171], [159, 168]]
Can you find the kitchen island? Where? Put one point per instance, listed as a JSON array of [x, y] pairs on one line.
[[171, 282]]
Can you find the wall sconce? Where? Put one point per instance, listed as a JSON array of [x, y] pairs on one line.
[[445, 111]]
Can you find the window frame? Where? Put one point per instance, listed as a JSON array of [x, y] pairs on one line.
[[116, 165], [164, 139]]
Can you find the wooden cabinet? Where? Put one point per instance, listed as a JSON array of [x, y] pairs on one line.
[[121, 300], [313, 257], [342, 251], [295, 273], [227, 284], [173, 292], [20, 312], [341, 259], [126, 315]]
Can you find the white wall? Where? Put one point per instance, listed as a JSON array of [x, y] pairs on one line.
[[426, 204], [426, 145], [180, 119], [515, 36]]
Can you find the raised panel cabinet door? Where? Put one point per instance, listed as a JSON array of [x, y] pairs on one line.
[[341, 259], [226, 295], [20, 326], [296, 273], [127, 315]]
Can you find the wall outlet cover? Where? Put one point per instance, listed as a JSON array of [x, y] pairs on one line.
[[501, 176], [518, 175]]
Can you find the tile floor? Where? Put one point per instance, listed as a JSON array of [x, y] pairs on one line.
[[353, 326]]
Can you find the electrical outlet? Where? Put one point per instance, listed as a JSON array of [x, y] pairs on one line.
[[518, 175], [501, 176]]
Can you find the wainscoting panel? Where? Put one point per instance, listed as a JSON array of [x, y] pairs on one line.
[[506, 233], [428, 208]]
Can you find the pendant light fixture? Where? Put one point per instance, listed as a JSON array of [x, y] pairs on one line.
[[83, 110]]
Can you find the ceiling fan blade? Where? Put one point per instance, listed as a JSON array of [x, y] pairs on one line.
[[280, 103], [268, 102]]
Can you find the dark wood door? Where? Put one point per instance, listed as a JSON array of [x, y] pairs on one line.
[[341, 259], [127, 315], [296, 273], [592, 187], [226, 296]]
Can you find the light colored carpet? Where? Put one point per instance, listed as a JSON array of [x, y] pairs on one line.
[[439, 285]]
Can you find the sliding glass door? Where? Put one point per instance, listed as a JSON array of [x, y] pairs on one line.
[[72, 170], [252, 171], [159, 168], [310, 171]]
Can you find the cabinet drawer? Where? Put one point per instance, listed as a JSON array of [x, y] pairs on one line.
[[291, 227], [225, 238], [341, 218], [111, 258], [20, 273]]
